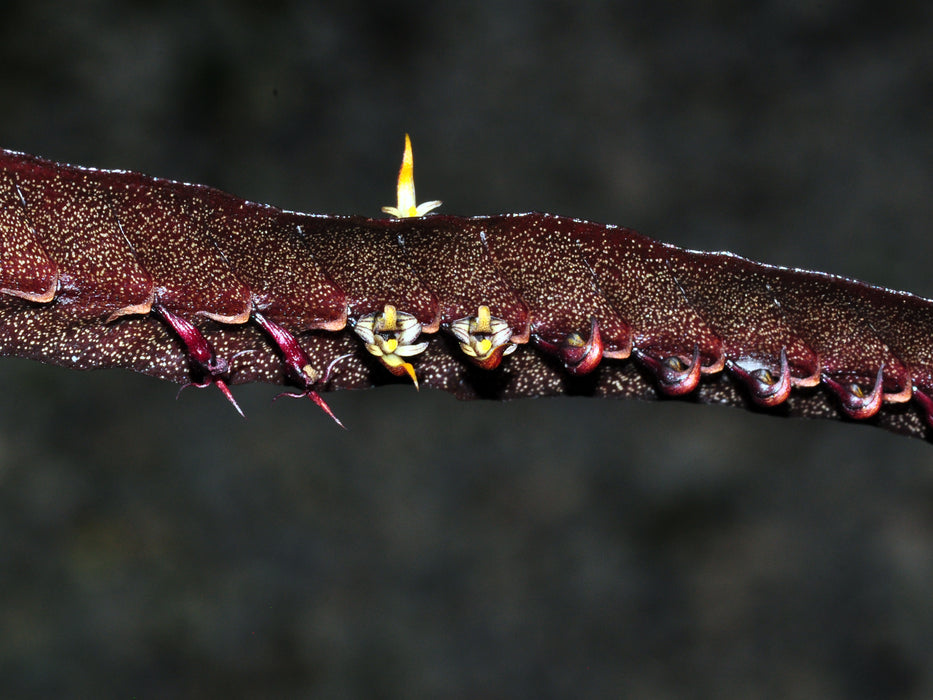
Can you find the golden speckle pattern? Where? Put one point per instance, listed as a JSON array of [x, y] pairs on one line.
[[115, 269], [453, 260], [25, 269], [635, 275], [98, 273], [539, 257], [287, 284], [364, 259], [166, 231]]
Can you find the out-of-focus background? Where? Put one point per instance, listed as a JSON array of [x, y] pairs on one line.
[[556, 548]]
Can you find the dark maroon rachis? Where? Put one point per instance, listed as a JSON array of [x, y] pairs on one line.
[[189, 284]]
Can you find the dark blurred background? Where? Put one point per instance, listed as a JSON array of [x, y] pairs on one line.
[[555, 548]]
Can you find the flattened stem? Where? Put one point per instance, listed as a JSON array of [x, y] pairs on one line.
[[765, 325]]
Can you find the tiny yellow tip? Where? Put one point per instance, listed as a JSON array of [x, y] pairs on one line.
[[391, 345], [411, 373], [406, 157]]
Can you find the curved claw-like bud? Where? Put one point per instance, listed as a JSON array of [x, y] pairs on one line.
[[583, 356], [208, 367], [767, 389], [855, 401], [675, 377], [578, 355], [390, 335], [484, 338]]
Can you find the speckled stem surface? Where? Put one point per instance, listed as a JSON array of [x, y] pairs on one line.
[[87, 255]]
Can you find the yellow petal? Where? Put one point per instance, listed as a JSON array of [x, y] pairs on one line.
[[408, 206]]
